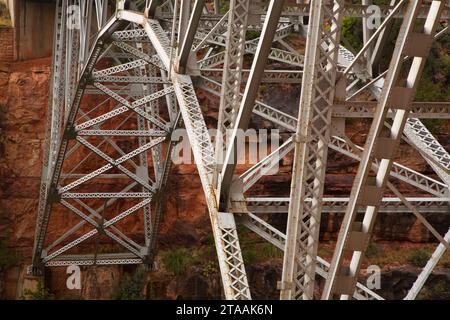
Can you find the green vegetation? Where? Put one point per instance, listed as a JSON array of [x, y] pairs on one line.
[[256, 250], [269, 251], [435, 83], [250, 256], [41, 293], [389, 254], [151, 291], [263, 89], [131, 287], [252, 34], [372, 250], [352, 32], [419, 258], [176, 260], [209, 268], [440, 291], [225, 6], [8, 258]]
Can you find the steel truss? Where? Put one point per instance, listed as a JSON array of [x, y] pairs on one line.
[[367, 191], [129, 75], [87, 130], [311, 146]]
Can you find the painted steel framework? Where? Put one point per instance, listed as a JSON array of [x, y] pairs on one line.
[[126, 75]]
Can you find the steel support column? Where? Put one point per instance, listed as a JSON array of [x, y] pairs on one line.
[[230, 97], [248, 99], [311, 145], [367, 192]]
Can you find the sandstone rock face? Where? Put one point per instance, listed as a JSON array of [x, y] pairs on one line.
[[194, 286], [100, 285], [23, 106], [23, 100]]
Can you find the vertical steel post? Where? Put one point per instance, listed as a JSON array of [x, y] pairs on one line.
[[311, 145]]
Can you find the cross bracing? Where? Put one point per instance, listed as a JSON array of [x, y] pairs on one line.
[[120, 88]]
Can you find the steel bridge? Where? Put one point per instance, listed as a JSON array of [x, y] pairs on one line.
[[126, 75]]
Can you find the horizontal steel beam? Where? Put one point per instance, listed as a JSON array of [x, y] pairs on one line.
[[350, 10], [366, 109], [269, 76], [339, 204]]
